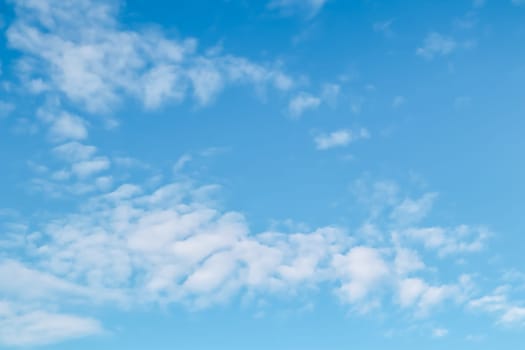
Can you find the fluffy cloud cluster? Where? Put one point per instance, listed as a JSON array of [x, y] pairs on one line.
[[80, 50], [172, 244], [132, 244], [80, 170]]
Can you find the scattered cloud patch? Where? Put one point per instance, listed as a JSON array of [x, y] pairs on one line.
[[74, 151], [67, 126], [303, 102], [310, 8], [457, 240], [339, 138], [36, 328], [82, 53], [90, 167], [411, 211], [509, 313], [181, 162], [436, 44]]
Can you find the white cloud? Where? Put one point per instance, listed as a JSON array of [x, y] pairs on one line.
[[162, 83], [513, 315], [181, 162], [130, 162], [173, 244], [207, 82], [40, 328], [68, 127], [416, 293], [410, 290], [135, 246], [303, 102], [407, 261], [288, 7], [87, 56], [339, 138], [518, 2], [411, 211], [90, 167], [362, 269], [377, 196], [439, 332], [23, 322], [436, 44], [31, 284], [446, 241], [498, 303], [74, 151]]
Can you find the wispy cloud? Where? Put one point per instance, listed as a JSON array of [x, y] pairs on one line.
[[303, 102], [84, 55], [339, 138], [310, 8], [38, 327], [439, 332], [384, 27], [509, 313], [436, 44]]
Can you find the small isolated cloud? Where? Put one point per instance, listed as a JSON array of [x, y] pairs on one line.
[[339, 138], [303, 102], [310, 8], [181, 162], [436, 44], [90, 167], [518, 2], [439, 332], [514, 315]]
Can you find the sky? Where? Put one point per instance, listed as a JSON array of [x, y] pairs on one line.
[[267, 174]]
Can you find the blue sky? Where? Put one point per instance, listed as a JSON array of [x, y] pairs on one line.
[[277, 174]]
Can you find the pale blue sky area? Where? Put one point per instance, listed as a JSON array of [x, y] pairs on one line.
[[277, 174]]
